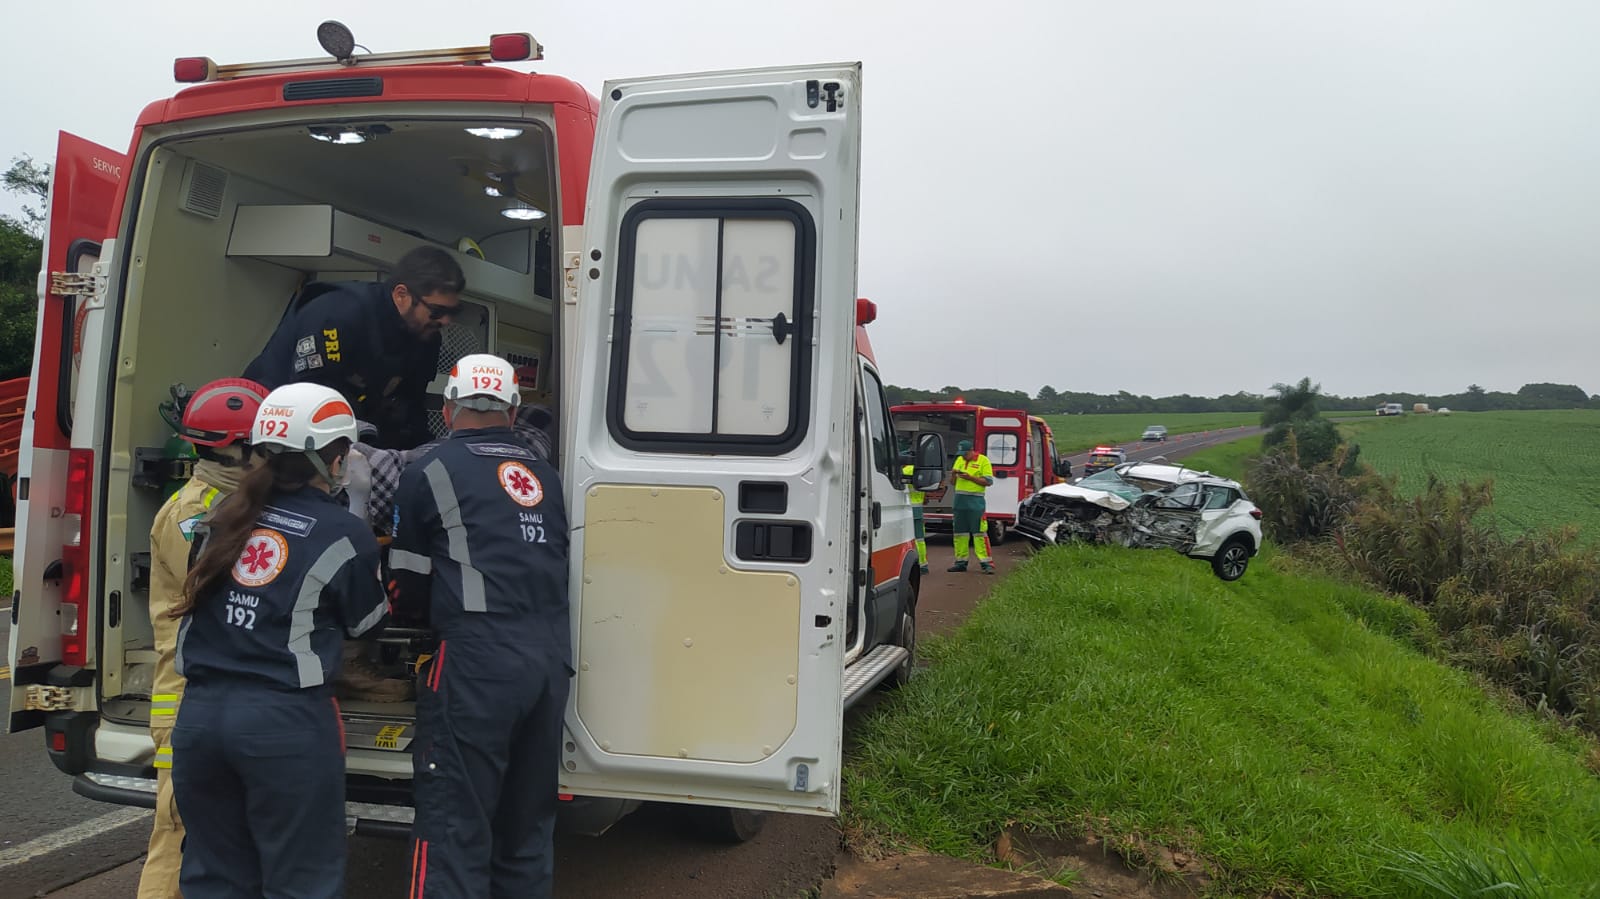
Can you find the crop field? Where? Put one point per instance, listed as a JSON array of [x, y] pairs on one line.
[[1076, 433], [1545, 465]]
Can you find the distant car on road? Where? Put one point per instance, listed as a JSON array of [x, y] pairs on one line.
[[1155, 434], [1102, 458], [1391, 409]]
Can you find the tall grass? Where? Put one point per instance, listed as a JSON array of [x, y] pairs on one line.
[[1272, 725]]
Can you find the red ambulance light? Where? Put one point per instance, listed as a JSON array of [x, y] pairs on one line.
[[75, 559], [960, 400], [193, 69], [866, 311], [511, 47]]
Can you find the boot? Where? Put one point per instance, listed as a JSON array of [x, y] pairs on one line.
[[360, 679], [987, 568], [924, 569], [959, 566]]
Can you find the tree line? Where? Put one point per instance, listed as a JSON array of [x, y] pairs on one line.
[[1050, 401]]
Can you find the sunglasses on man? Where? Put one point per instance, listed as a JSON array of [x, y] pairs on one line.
[[437, 311]]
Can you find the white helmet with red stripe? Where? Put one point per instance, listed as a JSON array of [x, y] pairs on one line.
[[483, 382], [302, 418]]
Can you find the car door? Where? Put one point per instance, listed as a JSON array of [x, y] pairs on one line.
[[1219, 505], [49, 612], [710, 480]]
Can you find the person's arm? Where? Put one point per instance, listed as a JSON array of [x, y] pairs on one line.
[[410, 566], [985, 471], [360, 601]]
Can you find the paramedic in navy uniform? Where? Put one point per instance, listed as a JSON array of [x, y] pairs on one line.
[[375, 342], [283, 575], [480, 541]]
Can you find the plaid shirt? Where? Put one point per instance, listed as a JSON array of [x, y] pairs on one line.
[[533, 424]]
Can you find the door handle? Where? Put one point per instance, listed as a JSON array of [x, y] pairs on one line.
[[877, 515]]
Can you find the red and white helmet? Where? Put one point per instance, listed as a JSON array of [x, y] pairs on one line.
[[303, 418], [482, 376], [222, 412]]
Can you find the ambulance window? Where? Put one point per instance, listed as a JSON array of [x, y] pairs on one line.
[[878, 425], [1001, 449], [712, 322]]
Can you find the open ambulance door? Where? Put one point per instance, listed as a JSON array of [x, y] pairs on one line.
[[1005, 438], [50, 609], [710, 478]]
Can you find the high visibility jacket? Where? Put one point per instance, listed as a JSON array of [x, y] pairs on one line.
[[978, 468], [308, 577], [916, 496], [171, 535]]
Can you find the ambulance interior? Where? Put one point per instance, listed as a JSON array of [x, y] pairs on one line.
[[229, 225]]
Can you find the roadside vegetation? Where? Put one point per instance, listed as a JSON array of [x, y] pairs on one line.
[[1286, 728], [1079, 433], [1225, 460]]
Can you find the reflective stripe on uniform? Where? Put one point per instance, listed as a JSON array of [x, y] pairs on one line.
[[404, 560], [163, 704], [164, 757], [305, 606], [372, 619], [444, 498], [208, 497]]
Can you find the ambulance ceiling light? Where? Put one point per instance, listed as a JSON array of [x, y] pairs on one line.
[[522, 211], [495, 133], [347, 134]]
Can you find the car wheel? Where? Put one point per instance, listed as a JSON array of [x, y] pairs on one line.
[[726, 825], [906, 637], [1231, 560]]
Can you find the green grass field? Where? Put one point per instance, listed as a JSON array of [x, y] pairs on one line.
[[1225, 460], [1545, 465], [1281, 727], [1077, 433]]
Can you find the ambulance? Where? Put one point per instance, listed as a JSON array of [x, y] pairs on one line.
[[671, 266], [1020, 446]]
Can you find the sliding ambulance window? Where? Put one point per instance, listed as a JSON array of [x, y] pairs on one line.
[[1001, 448], [712, 324]]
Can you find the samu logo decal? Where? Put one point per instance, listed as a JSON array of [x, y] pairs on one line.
[[265, 554], [520, 484]]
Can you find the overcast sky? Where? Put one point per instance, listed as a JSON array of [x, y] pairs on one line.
[[1162, 197]]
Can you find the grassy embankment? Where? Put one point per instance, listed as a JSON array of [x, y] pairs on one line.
[[1543, 463], [1079, 433], [1282, 727]]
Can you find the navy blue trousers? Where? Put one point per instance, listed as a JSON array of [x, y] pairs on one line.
[[485, 762], [259, 779]]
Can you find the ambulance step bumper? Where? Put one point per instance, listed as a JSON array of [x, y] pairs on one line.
[[870, 670]]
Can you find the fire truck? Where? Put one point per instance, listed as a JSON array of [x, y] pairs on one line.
[[671, 266], [1020, 446]]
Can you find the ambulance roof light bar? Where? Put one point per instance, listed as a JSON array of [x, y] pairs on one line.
[[337, 39]]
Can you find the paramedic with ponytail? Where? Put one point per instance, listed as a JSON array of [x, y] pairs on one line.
[[217, 419], [283, 574], [480, 542]]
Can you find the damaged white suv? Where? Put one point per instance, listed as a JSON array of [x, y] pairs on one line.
[[1142, 504]]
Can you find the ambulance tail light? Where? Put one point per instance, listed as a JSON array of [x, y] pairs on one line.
[[193, 70], [75, 559], [513, 47]]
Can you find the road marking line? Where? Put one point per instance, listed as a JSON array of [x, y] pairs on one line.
[[70, 836]]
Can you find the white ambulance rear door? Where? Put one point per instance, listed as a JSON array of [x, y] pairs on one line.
[[709, 483]]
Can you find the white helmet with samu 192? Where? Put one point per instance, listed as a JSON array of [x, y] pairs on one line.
[[483, 382]]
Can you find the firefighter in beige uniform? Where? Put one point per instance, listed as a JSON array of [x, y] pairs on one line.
[[217, 420]]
